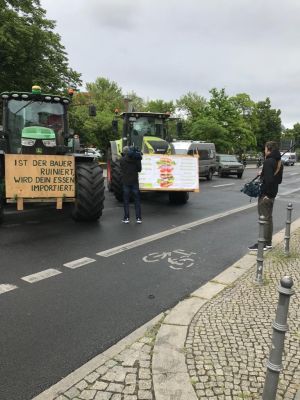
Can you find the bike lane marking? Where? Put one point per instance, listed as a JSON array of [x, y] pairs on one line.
[[172, 231], [177, 259]]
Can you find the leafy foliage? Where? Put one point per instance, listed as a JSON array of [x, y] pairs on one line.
[[30, 52], [268, 123]]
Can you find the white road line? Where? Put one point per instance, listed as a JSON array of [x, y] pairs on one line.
[[294, 173], [79, 263], [226, 184], [47, 273], [285, 183], [289, 192], [168, 232], [6, 287]]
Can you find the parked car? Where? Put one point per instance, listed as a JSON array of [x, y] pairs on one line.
[[205, 151], [228, 164], [93, 152], [288, 158]]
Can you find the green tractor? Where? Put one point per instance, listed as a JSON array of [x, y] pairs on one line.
[[147, 132], [35, 146]]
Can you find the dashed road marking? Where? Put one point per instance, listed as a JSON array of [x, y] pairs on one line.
[[79, 263], [6, 287], [47, 273]]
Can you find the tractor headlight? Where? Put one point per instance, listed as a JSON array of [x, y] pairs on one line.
[[28, 142], [49, 143]]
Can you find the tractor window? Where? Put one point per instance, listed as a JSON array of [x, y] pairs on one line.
[[145, 126], [32, 113]]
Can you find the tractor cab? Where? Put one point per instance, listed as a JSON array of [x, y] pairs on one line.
[[34, 123], [146, 131]]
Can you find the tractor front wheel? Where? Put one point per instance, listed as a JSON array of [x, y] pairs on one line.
[[116, 180], [89, 201]]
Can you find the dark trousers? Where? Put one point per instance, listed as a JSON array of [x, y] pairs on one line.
[[134, 189], [265, 208]]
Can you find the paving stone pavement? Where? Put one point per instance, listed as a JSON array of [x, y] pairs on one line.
[[222, 351], [127, 376], [229, 339]]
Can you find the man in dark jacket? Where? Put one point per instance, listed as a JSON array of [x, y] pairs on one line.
[[131, 165], [271, 177]]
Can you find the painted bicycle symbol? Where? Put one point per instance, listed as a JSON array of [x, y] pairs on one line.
[[177, 259]]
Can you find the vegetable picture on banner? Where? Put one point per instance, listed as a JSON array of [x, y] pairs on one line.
[[169, 172]]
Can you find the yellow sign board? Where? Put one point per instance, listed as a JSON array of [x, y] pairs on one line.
[[39, 176]]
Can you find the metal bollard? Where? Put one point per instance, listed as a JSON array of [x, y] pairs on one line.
[[279, 328], [260, 250], [288, 229]]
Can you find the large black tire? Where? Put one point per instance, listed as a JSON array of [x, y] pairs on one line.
[[89, 192], [2, 200], [1, 208], [178, 197], [220, 173], [108, 170], [116, 180], [210, 175]]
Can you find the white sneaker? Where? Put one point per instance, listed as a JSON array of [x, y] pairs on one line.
[[138, 221], [125, 220]]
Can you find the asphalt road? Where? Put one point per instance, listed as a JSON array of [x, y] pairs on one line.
[[52, 326]]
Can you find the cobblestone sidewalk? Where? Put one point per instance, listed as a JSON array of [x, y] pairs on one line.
[[229, 339], [127, 376]]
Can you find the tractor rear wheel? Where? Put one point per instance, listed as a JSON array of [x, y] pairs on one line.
[[116, 180], [1, 201], [178, 197], [89, 192]]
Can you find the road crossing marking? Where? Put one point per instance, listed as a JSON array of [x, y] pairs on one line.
[[6, 287], [47, 273], [169, 232], [79, 263]]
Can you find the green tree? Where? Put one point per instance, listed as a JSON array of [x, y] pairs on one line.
[[160, 106], [30, 52], [233, 115], [268, 123], [293, 133], [107, 96], [209, 130], [136, 103], [192, 105]]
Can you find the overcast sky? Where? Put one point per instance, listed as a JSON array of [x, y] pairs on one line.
[[162, 49]]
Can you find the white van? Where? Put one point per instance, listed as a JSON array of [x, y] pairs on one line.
[[205, 151], [288, 158]]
